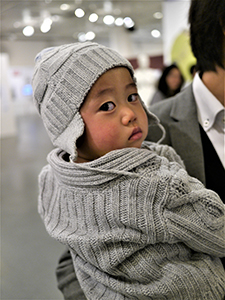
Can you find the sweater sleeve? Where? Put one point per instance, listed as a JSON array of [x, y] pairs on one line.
[[195, 215], [165, 151], [66, 278]]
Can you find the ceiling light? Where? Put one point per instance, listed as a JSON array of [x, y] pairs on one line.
[[93, 17], [79, 12], [45, 28], [158, 15], [46, 25], [128, 22], [28, 30], [48, 21], [90, 36], [119, 22], [108, 20], [64, 6], [82, 37], [156, 33]]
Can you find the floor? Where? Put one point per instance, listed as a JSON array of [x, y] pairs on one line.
[[28, 255]]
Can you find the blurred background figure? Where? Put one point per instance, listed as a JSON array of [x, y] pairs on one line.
[[169, 84]]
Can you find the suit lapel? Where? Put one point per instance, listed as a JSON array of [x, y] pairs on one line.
[[186, 127]]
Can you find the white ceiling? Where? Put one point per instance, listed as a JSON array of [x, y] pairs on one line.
[[15, 15]]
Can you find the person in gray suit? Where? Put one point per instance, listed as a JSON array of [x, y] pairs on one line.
[[194, 119], [186, 128]]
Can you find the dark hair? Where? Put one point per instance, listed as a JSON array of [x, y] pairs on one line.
[[192, 69], [207, 20], [162, 84]]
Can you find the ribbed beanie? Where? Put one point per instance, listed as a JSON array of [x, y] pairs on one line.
[[62, 79]]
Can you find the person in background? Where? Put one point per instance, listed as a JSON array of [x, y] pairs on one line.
[[194, 119], [169, 84], [134, 220]]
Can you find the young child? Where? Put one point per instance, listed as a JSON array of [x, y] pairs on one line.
[[137, 226]]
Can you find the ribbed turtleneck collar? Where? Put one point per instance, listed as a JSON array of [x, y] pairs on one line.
[[114, 164]]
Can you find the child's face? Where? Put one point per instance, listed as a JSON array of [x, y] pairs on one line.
[[113, 115]]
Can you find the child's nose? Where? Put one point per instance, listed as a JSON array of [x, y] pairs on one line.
[[128, 116]]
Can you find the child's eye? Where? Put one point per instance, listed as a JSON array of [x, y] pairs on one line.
[[107, 106], [133, 97]]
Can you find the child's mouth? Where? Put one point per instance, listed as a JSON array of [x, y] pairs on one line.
[[136, 134]]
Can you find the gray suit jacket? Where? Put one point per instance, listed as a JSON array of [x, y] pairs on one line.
[[178, 115]]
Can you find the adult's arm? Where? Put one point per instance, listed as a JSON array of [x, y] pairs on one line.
[[67, 280]]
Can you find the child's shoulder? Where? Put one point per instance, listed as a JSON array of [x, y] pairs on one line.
[[164, 151]]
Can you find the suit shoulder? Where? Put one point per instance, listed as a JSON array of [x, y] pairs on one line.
[[163, 108]]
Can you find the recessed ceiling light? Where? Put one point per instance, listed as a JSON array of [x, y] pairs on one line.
[[93, 17], [45, 28], [28, 30], [119, 22], [79, 12], [156, 33], [108, 20], [64, 6], [81, 37], [90, 36], [46, 25], [128, 22], [158, 15]]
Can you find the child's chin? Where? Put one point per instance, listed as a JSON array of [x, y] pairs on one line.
[[138, 144]]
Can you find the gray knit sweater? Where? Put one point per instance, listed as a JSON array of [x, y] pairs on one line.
[[137, 225]]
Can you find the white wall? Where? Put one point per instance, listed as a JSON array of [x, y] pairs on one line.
[[175, 20], [22, 53], [8, 126]]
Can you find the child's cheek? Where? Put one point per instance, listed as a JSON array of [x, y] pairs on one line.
[[110, 131], [109, 135]]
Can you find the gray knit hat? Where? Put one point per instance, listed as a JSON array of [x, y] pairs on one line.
[[62, 78]]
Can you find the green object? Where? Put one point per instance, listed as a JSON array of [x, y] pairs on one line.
[[182, 54]]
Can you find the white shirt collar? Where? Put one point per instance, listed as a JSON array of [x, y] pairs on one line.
[[208, 106]]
